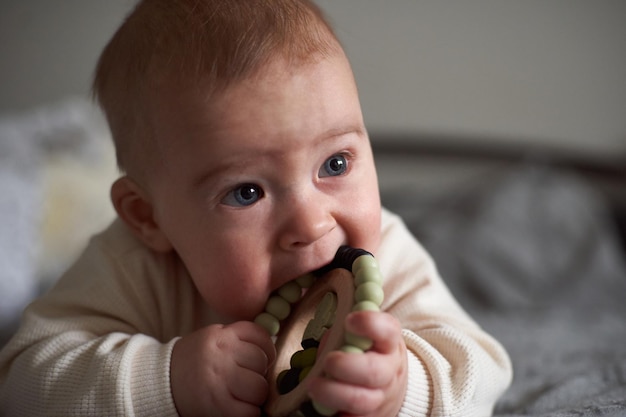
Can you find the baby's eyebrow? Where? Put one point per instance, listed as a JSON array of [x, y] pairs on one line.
[[341, 131], [253, 155], [207, 176], [231, 165]]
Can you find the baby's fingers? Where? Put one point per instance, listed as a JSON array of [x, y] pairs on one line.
[[256, 336], [371, 370], [369, 384], [352, 399], [382, 328], [252, 357], [248, 387]]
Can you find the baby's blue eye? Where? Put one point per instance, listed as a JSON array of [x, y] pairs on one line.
[[243, 195], [333, 166]]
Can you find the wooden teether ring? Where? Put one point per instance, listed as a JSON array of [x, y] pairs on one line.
[[340, 281]]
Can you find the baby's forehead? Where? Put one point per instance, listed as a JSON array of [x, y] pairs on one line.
[[215, 101], [279, 100]]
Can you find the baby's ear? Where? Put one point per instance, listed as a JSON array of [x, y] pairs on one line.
[[135, 208]]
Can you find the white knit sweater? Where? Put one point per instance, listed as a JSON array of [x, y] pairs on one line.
[[100, 342]]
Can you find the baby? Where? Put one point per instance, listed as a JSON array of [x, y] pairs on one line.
[[246, 164]]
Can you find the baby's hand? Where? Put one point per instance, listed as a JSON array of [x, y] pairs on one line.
[[220, 370], [372, 384]]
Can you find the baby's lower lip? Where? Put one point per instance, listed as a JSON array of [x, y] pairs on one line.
[[318, 272]]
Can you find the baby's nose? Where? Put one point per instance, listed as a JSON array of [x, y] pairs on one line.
[[306, 220]]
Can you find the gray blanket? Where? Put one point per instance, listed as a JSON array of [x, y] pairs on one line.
[[535, 258]]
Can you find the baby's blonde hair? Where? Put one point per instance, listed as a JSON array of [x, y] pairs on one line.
[[185, 42]]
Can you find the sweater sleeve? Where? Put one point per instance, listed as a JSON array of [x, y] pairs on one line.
[[75, 373], [99, 343], [455, 368]]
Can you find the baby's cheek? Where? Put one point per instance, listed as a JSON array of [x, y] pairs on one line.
[[370, 234], [232, 300]]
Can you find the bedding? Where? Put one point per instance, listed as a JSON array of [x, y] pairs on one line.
[[532, 249], [56, 167], [533, 253]]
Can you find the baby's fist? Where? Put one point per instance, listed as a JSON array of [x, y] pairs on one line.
[[220, 370], [372, 384]]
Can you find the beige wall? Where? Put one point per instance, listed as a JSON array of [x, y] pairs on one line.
[[545, 71]]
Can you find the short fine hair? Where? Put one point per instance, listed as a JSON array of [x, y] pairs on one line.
[[183, 42]]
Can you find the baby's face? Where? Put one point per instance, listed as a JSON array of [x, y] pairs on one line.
[[263, 183]]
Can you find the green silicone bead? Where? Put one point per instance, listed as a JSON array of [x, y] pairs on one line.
[[362, 261], [290, 291], [314, 332], [326, 309], [360, 342], [304, 372], [281, 376], [278, 307], [322, 409], [366, 305], [351, 349], [293, 361], [303, 358], [305, 281], [368, 275], [369, 291], [289, 381], [268, 322]]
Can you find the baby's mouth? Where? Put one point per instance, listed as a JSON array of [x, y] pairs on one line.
[[344, 257], [278, 304], [307, 279]]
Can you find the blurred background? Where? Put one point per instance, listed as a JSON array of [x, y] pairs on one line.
[[533, 70]]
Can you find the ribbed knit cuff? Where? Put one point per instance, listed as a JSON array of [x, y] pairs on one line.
[[418, 392], [150, 383]]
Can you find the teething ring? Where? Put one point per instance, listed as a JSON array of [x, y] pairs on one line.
[[338, 281], [349, 291]]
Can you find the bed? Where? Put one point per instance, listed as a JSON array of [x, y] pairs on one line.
[[530, 242]]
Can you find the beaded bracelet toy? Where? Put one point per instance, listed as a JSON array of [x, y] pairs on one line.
[[312, 326]]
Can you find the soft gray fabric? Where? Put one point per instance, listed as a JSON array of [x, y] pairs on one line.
[[536, 260], [20, 202], [28, 140]]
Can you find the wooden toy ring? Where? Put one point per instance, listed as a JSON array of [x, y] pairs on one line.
[[308, 327]]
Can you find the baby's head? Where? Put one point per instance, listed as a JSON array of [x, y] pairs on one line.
[[238, 126], [167, 46]]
